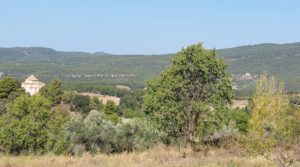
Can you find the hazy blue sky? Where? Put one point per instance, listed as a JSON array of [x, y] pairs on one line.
[[152, 26]]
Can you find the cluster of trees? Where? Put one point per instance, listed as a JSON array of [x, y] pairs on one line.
[[187, 104], [32, 124], [190, 101]]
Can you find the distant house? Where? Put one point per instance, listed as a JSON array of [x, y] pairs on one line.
[[247, 77], [1, 74], [32, 85]]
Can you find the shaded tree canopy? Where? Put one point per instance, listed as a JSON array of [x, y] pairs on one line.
[[188, 92], [53, 91], [8, 85]]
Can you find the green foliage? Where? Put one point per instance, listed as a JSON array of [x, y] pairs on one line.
[[132, 99], [95, 104], [29, 126], [9, 90], [295, 100], [24, 126], [8, 87], [91, 86], [240, 117], [138, 135], [272, 122], [95, 134], [67, 96], [81, 104], [111, 112], [110, 107], [280, 60], [57, 142], [189, 92], [277, 59], [53, 91], [129, 113]]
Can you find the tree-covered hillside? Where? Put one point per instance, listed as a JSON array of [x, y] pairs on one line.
[[281, 60]]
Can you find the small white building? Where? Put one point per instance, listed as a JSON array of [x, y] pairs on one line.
[[1, 74], [247, 77], [32, 85]]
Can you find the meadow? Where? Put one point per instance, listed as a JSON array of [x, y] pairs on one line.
[[159, 156]]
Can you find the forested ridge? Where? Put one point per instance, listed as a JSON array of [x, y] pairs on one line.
[[280, 60]]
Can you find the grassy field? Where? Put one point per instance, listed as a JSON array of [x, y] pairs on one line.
[[156, 157]]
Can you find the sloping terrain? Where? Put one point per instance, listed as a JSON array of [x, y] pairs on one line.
[[281, 60]]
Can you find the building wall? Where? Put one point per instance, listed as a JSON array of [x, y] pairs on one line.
[[32, 89]]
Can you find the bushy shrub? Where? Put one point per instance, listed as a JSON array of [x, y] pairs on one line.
[[95, 134], [223, 135], [57, 142], [24, 126], [30, 127], [81, 104], [53, 91], [67, 96], [8, 86], [112, 112], [138, 135], [96, 104], [129, 113], [218, 127], [240, 117], [295, 100]]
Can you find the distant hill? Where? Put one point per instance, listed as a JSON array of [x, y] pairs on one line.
[[282, 60]]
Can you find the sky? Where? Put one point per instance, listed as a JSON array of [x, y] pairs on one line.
[[146, 26]]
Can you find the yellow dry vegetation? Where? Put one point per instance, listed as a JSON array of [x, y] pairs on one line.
[[103, 98], [159, 156]]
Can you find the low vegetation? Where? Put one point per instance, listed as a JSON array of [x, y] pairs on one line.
[[159, 156], [184, 115]]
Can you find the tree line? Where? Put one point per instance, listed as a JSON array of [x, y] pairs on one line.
[[188, 104]]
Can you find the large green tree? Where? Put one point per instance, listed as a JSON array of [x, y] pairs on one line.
[[24, 126], [9, 90], [53, 91], [189, 92], [30, 126], [8, 86], [81, 104]]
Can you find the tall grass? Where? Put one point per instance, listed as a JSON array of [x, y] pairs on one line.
[[159, 156]]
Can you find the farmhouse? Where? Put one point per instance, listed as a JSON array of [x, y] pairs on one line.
[[32, 85], [1, 74]]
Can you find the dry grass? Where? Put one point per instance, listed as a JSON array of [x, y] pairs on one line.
[[156, 157], [103, 98], [239, 104]]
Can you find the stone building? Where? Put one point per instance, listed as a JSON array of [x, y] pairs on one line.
[[1, 74], [32, 85]]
